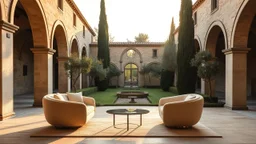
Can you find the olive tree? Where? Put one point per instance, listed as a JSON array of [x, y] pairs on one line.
[[75, 66], [207, 67]]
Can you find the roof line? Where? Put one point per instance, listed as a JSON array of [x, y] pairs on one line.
[[80, 15], [131, 44], [197, 4]]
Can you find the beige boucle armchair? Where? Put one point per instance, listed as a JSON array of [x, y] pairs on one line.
[[65, 113], [181, 111]]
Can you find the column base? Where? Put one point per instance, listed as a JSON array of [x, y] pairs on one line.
[[37, 104], [7, 116], [236, 107]]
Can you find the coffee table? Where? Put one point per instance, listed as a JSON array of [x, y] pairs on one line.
[[127, 113]]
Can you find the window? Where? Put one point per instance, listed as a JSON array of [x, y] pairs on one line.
[[214, 5], [154, 52], [60, 4], [74, 19], [195, 18], [83, 31], [130, 53]]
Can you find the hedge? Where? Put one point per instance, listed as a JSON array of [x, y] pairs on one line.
[[88, 91], [207, 99]]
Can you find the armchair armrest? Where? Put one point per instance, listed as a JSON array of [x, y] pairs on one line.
[[89, 101], [165, 100], [64, 113]]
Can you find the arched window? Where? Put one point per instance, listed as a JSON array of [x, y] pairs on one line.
[[131, 74]]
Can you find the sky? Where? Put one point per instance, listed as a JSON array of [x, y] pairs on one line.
[[127, 18]]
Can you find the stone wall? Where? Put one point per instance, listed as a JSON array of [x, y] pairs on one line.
[[143, 56]]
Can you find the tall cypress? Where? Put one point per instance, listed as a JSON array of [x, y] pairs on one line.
[[169, 61], [103, 37], [186, 73]]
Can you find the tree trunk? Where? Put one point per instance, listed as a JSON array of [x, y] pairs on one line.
[[74, 83], [117, 78], [210, 88]]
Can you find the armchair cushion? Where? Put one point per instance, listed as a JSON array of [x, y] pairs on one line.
[[189, 97], [60, 97], [77, 97]]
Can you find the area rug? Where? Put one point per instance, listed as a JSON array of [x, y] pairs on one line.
[[103, 127]]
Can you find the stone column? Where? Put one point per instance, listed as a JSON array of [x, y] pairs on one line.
[[236, 78], [203, 91], [6, 66], [63, 78], [43, 58]]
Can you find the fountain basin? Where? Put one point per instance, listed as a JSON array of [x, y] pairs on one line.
[[127, 94]]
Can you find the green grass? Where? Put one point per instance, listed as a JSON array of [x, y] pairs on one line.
[[108, 97], [155, 94], [105, 98]]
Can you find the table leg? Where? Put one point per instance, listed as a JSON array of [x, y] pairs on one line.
[[140, 119], [127, 122], [114, 120]]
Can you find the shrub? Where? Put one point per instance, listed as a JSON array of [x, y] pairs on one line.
[[88, 91], [174, 90], [167, 79]]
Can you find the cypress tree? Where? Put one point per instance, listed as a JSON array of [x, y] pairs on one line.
[[103, 37], [169, 61], [186, 73], [103, 45]]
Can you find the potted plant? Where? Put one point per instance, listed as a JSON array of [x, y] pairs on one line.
[[207, 69]]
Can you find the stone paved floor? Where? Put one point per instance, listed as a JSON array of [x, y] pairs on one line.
[[236, 127]]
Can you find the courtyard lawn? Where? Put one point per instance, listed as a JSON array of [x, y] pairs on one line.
[[108, 97]]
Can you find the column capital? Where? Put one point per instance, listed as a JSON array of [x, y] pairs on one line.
[[62, 58], [43, 51], [8, 26], [236, 50]]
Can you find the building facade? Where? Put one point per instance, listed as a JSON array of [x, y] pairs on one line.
[[129, 58], [37, 36], [227, 28]]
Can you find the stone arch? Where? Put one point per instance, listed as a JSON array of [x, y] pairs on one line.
[[111, 63], [74, 45], [37, 21], [59, 43], [151, 80], [216, 42], [125, 64], [198, 44], [59, 32], [84, 52], [127, 49], [74, 49], [242, 24], [213, 31], [84, 76]]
